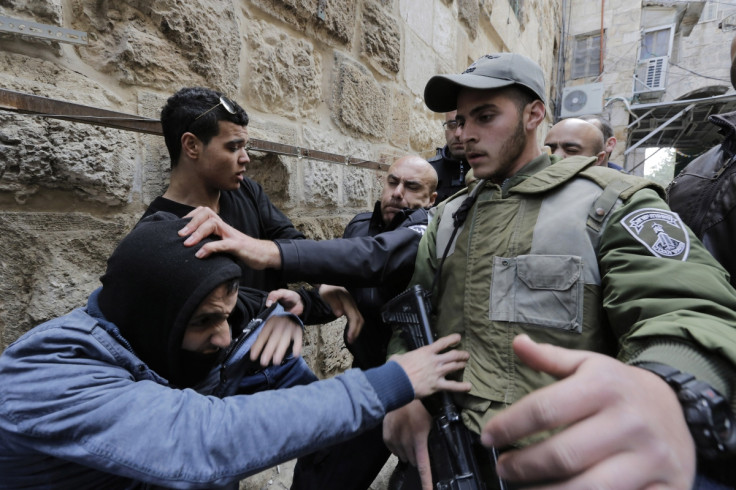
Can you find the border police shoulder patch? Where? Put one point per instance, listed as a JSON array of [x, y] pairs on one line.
[[660, 231]]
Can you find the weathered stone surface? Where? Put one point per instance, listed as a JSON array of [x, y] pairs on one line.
[[152, 176], [417, 14], [43, 78], [445, 35], [381, 38], [335, 17], [269, 171], [359, 188], [95, 163], [284, 73], [335, 356], [468, 12], [162, 43], [420, 63], [400, 123], [43, 11], [49, 264], [426, 130], [360, 103], [354, 190], [320, 189]]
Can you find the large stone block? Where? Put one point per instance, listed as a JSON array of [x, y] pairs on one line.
[[35, 76], [50, 263], [445, 34], [321, 182], [162, 43], [336, 18], [418, 17], [94, 163], [420, 63], [283, 74], [360, 103], [271, 172], [381, 38]]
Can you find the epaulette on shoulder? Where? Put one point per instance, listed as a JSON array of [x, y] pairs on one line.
[[626, 183]]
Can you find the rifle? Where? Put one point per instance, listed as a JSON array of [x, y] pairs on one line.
[[453, 461]]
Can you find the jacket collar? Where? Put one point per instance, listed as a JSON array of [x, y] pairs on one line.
[[376, 224], [727, 124]]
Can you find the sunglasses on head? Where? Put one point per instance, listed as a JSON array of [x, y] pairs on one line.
[[226, 103]]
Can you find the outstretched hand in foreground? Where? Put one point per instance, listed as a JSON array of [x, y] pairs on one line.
[[622, 427]]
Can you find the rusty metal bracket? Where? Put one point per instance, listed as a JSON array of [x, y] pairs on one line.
[[68, 111], [321, 13], [43, 31]]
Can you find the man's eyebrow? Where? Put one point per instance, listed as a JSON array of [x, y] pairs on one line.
[[236, 141], [482, 107], [207, 315]]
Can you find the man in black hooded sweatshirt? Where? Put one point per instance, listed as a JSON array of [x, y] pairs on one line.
[[143, 385]]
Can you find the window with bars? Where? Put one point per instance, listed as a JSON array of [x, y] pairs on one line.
[[516, 7], [586, 56]]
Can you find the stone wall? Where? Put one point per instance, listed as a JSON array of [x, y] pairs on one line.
[[345, 77]]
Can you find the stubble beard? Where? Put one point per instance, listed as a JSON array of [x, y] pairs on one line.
[[510, 152]]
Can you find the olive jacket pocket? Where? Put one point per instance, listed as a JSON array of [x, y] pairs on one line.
[[544, 290]]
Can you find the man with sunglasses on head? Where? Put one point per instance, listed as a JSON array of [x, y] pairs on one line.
[[206, 135], [449, 162]]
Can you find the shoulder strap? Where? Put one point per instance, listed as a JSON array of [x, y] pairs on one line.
[[615, 185]]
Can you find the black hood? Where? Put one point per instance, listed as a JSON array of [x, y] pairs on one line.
[[153, 285]]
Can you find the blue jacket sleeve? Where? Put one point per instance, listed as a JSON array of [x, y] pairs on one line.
[[68, 397]]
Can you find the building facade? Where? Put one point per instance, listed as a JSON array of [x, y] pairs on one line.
[[654, 69]]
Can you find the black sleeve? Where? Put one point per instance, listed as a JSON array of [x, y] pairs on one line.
[[358, 261], [316, 311], [275, 223]]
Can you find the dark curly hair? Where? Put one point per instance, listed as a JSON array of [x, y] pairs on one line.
[[182, 113]]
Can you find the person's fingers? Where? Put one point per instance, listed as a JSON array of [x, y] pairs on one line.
[[281, 344], [298, 337], [569, 452], [261, 340], [267, 354], [205, 229], [455, 386], [446, 342], [424, 468], [218, 246], [353, 331], [198, 216], [556, 361]]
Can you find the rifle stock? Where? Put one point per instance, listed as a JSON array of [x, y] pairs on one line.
[[453, 461]]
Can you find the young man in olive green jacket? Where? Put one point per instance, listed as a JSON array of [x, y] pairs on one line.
[[579, 296]]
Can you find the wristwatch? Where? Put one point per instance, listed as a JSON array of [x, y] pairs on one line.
[[707, 413]]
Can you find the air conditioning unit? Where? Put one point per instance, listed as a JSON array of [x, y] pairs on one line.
[[651, 75], [579, 100]]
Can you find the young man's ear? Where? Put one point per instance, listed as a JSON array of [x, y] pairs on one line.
[[190, 145], [536, 112]]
